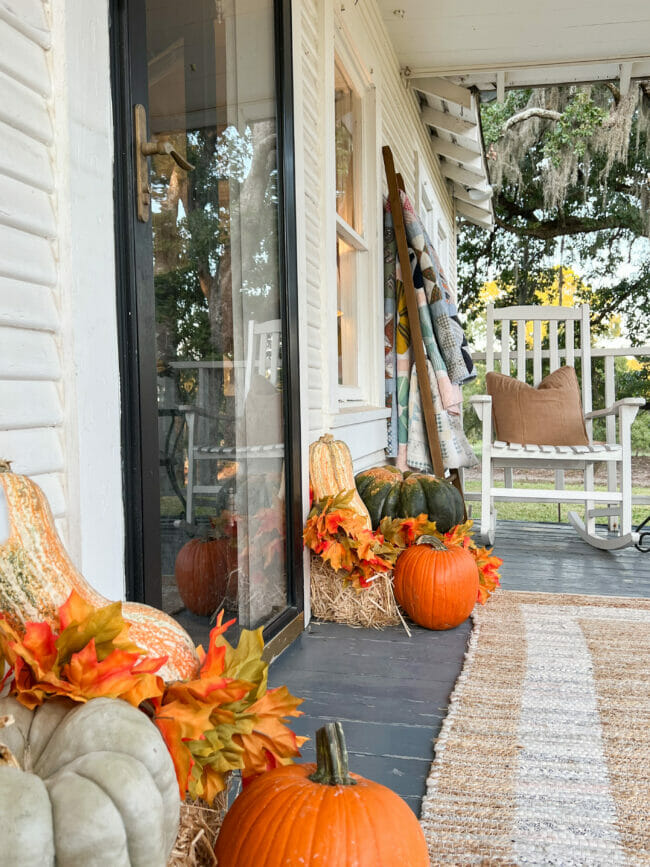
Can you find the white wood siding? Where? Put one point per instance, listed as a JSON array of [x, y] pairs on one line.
[[398, 125], [59, 373], [31, 390], [311, 135]]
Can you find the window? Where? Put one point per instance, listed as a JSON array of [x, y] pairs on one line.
[[351, 246], [442, 249], [427, 212]]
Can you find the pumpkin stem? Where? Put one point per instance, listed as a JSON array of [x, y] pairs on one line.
[[5, 466], [332, 757], [6, 756], [432, 542]]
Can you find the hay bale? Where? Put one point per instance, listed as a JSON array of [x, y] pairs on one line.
[[374, 607], [198, 832]]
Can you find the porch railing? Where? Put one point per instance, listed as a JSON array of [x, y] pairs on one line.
[[609, 354]]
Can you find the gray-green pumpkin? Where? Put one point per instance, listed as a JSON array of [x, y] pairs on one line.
[[94, 787], [389, 493]]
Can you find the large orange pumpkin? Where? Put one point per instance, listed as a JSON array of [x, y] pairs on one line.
[[202, 570], [436, 586], [320, 814], [37, 576]]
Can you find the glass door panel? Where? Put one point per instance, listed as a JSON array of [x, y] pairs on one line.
[[218, 310]]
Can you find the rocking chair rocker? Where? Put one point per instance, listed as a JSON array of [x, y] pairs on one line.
[[615, 503]]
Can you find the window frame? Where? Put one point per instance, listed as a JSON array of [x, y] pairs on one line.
[[367, 205]]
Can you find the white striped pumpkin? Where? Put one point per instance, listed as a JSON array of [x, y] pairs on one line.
[[37, 576], [331, 473]]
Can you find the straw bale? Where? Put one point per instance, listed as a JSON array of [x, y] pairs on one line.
[[199, 827], [374, 607]]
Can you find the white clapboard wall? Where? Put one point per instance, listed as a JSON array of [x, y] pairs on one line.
[[31, 398], [399, 125]]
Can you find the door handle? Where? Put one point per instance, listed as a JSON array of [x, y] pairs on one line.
[[143, 149], [167, 149]]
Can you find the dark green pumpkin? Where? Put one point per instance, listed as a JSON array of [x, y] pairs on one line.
[[389, 493]]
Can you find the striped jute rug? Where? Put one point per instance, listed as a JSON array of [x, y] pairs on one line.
[[544, 757]]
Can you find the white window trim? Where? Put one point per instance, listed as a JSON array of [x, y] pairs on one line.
[[439, 223], [369, 391]]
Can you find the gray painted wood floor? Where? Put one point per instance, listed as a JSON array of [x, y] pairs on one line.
[[391, 692]]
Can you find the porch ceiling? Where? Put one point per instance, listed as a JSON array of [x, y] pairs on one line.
[[448, 47], [514, 43]]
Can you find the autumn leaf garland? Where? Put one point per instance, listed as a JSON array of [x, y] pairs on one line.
[[224, 719], [87, 654], [339, 536]]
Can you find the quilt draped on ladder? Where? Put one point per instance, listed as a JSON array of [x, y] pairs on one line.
[[449, 362]]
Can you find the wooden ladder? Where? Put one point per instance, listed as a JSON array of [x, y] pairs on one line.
[[395, 184]]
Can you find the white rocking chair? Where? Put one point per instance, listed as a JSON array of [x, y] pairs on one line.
[[263, 357], [614, 503]]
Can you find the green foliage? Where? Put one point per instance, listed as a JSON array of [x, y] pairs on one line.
[[184, 308], [641, 433], [495, 114], [596, 162], [575, 128], [471, 423]]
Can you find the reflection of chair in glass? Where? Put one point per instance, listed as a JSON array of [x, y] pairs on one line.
[[260, 409]]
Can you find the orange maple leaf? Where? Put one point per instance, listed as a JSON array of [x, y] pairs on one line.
[[83, 654]]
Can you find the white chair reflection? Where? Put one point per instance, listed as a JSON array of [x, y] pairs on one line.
[[263, 363]]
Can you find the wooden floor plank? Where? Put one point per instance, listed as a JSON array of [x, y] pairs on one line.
[[391, 691]]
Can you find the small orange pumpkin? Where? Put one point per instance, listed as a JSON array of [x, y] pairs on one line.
[[320, 814], [436, 586], [202, 568]]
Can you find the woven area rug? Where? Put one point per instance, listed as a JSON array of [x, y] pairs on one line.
[[544, 757]]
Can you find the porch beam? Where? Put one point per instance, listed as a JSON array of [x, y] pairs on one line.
[[625, 79], [571, 67], [443, 89], [463, 176], [452, 151], [540, 73], [474, 214], [446, 121], [501, 86]]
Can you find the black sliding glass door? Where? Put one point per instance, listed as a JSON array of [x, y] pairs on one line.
[[208, 310]]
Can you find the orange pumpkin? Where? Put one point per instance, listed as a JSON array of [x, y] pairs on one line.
[[436, 586], [320, 814], [37, 576], [202, 570]]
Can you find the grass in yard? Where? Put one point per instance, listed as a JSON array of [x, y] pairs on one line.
[[547, 512]]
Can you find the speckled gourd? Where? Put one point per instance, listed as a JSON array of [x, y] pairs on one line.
[[331, 472], [85, 784], [37, 576]]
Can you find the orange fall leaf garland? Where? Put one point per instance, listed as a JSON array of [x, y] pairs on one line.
[[85, 654], [339, 536], [488, 563], [224, 719]]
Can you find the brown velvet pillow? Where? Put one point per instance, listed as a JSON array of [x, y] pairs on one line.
[[549, 415]]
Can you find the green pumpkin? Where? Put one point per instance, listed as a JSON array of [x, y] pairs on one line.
[[389, 493]]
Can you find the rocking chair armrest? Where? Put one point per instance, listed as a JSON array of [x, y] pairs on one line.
[[482, 405], [190, 409], [615, 409]]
